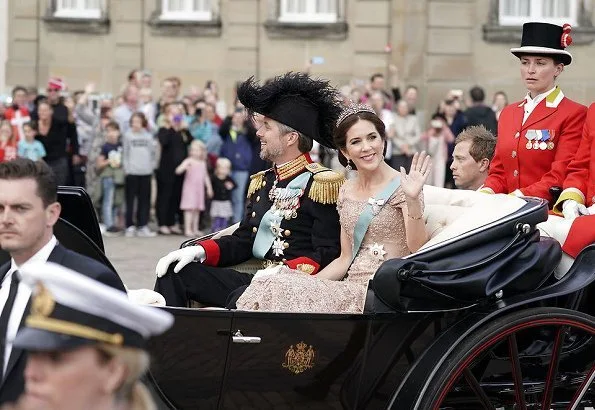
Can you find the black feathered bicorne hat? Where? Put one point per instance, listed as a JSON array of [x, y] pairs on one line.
[[545, 39], [310, 106]]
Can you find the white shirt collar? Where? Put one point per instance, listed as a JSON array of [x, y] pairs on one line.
[[42, 255], [538, 98]]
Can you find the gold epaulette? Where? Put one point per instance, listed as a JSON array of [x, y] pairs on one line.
[[326, 184], [255, 183]]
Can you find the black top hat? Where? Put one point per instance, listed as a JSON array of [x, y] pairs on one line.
[[547, 39], [310, 106]]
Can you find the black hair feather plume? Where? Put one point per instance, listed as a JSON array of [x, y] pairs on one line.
[[308, 105]]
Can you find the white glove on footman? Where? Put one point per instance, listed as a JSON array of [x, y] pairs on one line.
[[183, 256], [572, 209]]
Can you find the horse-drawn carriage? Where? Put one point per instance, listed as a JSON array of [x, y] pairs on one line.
[[474, 320]]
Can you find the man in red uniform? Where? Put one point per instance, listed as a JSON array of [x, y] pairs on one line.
[[577, 201], [538, 136]]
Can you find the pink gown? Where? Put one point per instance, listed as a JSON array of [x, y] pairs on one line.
[[193, 190], [295, 291]]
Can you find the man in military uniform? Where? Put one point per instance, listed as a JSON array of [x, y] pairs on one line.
[[291, 215]]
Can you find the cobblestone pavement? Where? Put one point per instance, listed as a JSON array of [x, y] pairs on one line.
[[135, 258]]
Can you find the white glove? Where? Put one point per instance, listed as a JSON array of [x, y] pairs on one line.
[[591, 210], [183, 256], [572, 209]]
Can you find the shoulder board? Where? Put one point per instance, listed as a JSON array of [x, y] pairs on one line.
[[256, 182], [326, 184]]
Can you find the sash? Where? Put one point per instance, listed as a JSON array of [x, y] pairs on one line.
[[370, 211], [267, 233]]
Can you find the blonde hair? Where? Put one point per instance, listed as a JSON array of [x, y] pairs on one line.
[[132, 390], [222, 161], [201, 145], [7, 124]]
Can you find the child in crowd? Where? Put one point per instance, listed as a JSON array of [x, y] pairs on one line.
[[196, 180], [30, 147], [221, 208], [139, 148], [111, 173], [8, 145]]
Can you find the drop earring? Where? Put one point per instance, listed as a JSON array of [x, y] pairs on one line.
[[348, 167]]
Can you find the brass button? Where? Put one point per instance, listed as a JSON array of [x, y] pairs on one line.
[[264, 183], [514, 154], [515, 173], [255, 229], [253, 214], [518, 134], [285, 245], [258, 198], [287, 232]]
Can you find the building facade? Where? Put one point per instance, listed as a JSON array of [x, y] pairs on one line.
[[435, 44]]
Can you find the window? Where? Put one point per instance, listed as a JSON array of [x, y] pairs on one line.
[[517, 12], [308, 11], [186, 10], [90, 9]]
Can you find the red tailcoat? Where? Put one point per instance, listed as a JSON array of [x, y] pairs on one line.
[[534, 171], [580, 186]]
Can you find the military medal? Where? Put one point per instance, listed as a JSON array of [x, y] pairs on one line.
[[538, 136], [530, 135], [545, 136], [550, 144]]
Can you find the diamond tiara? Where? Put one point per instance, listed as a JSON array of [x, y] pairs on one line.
[[354, 109]]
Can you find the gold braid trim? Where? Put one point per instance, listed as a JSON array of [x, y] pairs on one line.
[[73, 329], [326, 184], [255, 183]]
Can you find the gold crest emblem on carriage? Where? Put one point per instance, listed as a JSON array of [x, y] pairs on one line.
[[299, 358]]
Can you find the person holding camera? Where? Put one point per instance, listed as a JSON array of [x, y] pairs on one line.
[[173, 139], [435, 141]]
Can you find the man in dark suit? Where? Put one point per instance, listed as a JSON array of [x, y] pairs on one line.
[[28, 212]]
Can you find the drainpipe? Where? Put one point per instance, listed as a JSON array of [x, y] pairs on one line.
[[257, 51], [142, 34], [38, 44]]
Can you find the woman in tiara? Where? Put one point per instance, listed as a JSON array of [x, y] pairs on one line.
[[538, 136], [381, 214]]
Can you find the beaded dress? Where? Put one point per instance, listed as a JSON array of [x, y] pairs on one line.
[[294, 291]]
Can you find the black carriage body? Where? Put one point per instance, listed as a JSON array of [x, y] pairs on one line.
[[222, 359]]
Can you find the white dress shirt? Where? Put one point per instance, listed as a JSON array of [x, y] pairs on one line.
[[531, 103], [22, 297]]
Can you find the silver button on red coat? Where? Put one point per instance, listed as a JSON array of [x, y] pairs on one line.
[[513, 154], [518, 134], [515, 173]]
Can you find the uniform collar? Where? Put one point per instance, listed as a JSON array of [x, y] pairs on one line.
[[552, 98], [293, 167]]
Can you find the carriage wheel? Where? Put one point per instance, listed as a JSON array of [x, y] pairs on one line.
[[540, 358]]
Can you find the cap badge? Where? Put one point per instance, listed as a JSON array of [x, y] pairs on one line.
[[43, 303]]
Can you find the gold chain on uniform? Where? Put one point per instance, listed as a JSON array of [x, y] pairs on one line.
[[291, 168]]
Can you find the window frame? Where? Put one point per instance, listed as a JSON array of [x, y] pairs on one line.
[[536, 14], [310, 16], [79, 12], [189, 15]]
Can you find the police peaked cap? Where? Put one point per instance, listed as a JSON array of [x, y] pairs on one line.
[[310, 106], [70, 310]]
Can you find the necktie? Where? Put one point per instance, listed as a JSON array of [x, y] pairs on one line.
[[12, 294]]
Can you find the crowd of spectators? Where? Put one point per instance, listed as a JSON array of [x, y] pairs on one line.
[[183, 159]]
